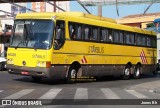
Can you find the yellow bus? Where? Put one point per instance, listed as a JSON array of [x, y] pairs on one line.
[[74, 44]]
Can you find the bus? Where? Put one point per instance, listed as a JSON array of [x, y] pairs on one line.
[[75, 45]]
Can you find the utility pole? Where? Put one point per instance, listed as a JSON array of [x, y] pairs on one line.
[[99, 10], [54, 6]]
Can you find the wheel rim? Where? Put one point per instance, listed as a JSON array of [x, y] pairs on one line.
[[73, 73], [127, 71], [137, 72]]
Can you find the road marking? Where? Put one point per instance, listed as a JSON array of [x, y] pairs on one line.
[[109, 94], [51, 94], [136, 94], [81, 93], [19, 94], [1, 90]]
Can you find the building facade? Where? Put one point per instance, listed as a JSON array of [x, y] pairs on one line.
[[36, 6], [48, 7], [139, 20]]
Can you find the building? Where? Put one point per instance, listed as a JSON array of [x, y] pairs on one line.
[[6, 18], [36, 6], [46, 7], [138, 20]]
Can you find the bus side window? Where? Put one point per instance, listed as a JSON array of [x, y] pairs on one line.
[[86, 32], [144, 40], [103, 35], [94, 34], [132, 36], [110, 37], [79, 31], [148, 41], [116, 36], [71, 30], [127, 38], [60, 34], [139, 39], [121, 37], [153, 42]]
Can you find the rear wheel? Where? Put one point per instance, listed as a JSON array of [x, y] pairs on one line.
[[137, 72], [127, 73]]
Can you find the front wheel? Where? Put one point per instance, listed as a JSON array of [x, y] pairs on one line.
[[72, 75]]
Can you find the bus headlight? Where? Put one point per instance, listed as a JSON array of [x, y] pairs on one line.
[[39, 64], [9, 61], [44, 64]]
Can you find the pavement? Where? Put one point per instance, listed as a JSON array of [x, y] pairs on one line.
[[153, 86]]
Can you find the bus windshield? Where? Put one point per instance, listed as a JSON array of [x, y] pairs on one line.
[[35, 34]]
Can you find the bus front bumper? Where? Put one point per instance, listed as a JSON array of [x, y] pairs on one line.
[[52, 72]]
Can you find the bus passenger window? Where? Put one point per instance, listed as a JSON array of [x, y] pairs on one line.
[[94, 34], [60, 35], [132, 38], [143, 40], [104, 35], [116, 36], [127, 38], [153, 42], [110, 38], [79, 32], [148, 41], [121, 37], [139, 40], [71, 31], [86, 33]]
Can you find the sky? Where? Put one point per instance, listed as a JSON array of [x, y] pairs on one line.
[[110, 10]]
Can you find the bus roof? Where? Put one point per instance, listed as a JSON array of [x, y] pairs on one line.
[[51, 14], [111, 23]]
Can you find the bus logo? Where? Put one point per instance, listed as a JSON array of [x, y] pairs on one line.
[[143, 57]]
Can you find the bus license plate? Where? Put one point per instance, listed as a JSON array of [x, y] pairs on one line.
[[24, 73]]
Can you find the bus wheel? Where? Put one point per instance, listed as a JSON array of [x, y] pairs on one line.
[[137, 72], [36, 79], [72, 75], [127, 73]]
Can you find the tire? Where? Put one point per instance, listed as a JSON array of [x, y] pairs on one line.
[[72, 75], [137, 72], [127, 73], [2, 66]]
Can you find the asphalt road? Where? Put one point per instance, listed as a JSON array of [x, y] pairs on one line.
[[119, 93]]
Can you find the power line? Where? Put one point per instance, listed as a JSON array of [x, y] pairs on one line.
[[54, 5], [7, 1], [83, 6]]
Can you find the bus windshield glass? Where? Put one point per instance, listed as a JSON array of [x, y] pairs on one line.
[[35, 34]]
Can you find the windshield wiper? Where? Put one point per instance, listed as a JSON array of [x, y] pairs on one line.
[[24, 43]]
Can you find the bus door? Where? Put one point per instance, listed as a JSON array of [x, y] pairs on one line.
[[59, 38]]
